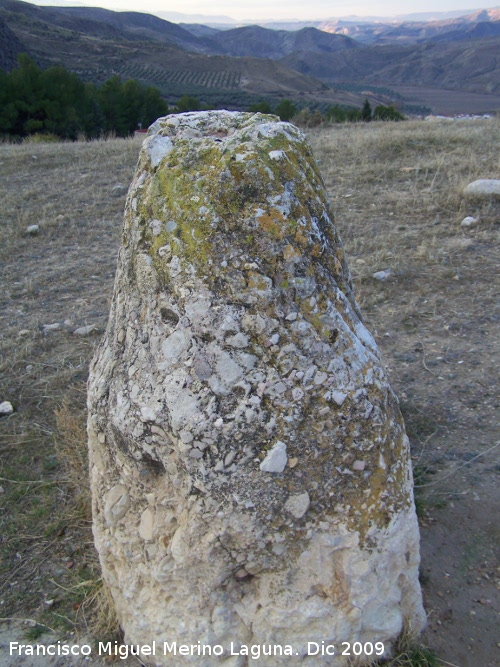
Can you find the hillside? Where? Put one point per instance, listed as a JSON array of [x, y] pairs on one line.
[[10, 47], [96, 44], [265, 43], [481, 30], [237, 67], [131, 25], [450, 54], [474, 67]]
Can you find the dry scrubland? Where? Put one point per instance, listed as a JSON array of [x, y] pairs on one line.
[[396, 193]]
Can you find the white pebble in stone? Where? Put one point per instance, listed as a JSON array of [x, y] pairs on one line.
[[117, 504], [276, 458], [186, 437], [146, 525], [157, 147], [298, 505], [148, 414], [238, 340], [338, 397], [320, 378]]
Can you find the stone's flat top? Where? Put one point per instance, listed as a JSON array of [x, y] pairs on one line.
[[217, 126], [197, 124]]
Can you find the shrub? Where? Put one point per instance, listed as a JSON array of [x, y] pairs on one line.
[[260, 107], [307, 118], [286, 110], [382, 112]]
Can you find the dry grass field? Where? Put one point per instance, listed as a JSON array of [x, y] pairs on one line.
[[396, 190]]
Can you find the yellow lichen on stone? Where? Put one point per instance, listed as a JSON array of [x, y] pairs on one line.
[[272, 224]]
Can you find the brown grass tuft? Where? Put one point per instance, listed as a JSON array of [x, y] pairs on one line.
[[97, 612], [70, 443]]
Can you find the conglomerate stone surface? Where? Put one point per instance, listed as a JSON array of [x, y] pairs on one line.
[[249, 464]]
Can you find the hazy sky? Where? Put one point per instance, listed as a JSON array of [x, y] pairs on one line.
[[281, 9]]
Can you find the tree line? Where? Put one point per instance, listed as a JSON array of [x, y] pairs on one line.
[[287, 110], [55, 101]]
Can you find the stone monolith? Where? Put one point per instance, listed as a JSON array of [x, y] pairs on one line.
[[252, 489]]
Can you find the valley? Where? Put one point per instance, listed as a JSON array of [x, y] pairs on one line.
[[440, 67]]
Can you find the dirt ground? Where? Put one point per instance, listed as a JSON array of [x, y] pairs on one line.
[[396, 193]]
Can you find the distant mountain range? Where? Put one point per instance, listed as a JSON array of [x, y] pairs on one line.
[[226, 22], [408, 32], [262, 42], [328, 62]]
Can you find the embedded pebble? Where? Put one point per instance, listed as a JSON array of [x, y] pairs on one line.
[[276, 458], [298, 505]]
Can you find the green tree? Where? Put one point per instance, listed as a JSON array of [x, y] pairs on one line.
[[26, 91], [93, 119], [132, 93], [260, 107], [63, 98], [141, 106], [8, 110], [308, 118], [188, 103], [354, 115], [366, 111], [337, 114], [56, 101], [153, 106], [286, 110], [382, 112], [111, 100]]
